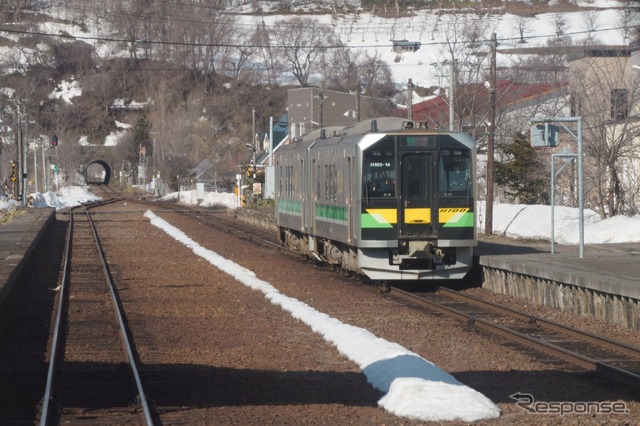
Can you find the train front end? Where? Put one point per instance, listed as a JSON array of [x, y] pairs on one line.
[[416, 205]]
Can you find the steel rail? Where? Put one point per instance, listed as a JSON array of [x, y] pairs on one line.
[[55, 346], [549, 348], [548, 324], [121, 323], [205, 217]]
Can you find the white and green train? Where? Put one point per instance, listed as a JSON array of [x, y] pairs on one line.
[[386, 198]]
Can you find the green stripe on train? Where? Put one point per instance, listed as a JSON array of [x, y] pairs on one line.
[[369, 220], [460, 220], [289, 206], [327, 211]]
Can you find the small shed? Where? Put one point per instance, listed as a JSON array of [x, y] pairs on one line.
[[400, 46], [206, 172]]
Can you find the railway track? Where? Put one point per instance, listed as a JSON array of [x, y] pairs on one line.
[[581, 349], [584, 350], [218, 218], [92, 375]]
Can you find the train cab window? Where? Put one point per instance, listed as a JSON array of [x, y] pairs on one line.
[[379, 172], [416, 177], [454, 173]]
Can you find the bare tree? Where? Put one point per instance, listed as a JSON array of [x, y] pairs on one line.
[[241, 55], [591, 22], [341, 68], [560, 22], [301, 41], [522, 22], [265, 53], [348, 71], [465, 61]]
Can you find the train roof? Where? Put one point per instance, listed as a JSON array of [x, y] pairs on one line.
[[337, 134], [376, 125]]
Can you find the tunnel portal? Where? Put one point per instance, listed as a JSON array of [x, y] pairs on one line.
[[98, 172]]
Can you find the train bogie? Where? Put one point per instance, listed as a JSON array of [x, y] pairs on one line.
[[393, 201]]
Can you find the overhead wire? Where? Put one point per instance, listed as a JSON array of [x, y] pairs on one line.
[[328, 46]]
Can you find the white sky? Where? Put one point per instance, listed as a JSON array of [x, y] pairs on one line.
[[413, 387]]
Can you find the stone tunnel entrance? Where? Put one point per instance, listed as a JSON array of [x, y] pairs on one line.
[[98, 172]]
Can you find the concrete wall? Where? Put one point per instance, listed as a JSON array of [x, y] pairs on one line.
[[262, 219], [618, 310]]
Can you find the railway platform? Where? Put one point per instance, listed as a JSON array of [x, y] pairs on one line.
[[604, 283], [19, 239]]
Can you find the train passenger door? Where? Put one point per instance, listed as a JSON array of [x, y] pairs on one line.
[[416, 217]]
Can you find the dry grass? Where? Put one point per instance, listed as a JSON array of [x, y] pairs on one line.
[[7, 215]]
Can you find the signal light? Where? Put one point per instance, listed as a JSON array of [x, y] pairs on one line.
[[54, 140]]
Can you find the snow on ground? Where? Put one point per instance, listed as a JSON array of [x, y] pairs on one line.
[[534, 222], [210, 199], [67, 197]]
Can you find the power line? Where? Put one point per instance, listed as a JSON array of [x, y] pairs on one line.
[[331, 46]]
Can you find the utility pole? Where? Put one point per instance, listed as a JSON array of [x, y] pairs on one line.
[[271, 141], [35, 165], [452, 94], [253, 142], [21, 154], [357, 116], [25, 156], [488, 228], [45, 187], [410, 102]]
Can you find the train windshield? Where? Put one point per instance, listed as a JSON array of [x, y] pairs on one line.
[[379, 169], [454, 173]]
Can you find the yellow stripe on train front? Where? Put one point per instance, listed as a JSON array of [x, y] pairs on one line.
[[384, 215], [451, 214], [417, 215]]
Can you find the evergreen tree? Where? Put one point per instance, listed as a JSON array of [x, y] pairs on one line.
[[524, 176]]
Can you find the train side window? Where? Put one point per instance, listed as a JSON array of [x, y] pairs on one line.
[[340, 184], [327, 182], [319, 180], [335, 182]]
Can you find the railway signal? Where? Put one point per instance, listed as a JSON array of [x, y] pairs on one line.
[[13, 171], [54, 140]]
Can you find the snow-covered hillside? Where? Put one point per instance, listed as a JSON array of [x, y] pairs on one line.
[[372, 32]]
